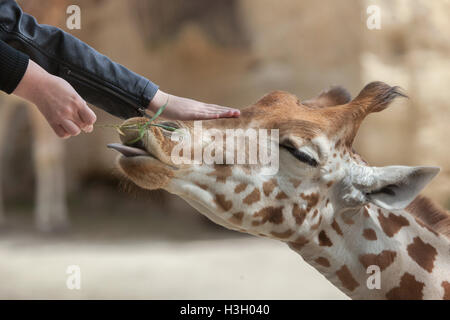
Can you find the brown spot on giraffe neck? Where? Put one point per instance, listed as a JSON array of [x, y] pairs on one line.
[[311, 200], [315, 213], [281, 195], [408, 289], [383, 260], [317, 225], [370, 234], [223, 203], [295, 182], [236, 218], [253, 197], [348, 221], [299, 214], [422, 253], [323, 262], [446, 286], [271, 214], [283, 235], [324, 241], [201, 185], [221, 172], [240, 187], [392, 223], [268, 186], [366, 213], [347, 279], [298, 243], [336, 227], [247, 168]]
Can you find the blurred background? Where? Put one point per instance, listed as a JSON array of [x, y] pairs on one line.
[[64, 204]]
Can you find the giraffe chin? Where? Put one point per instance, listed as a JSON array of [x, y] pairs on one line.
[[144, 169]]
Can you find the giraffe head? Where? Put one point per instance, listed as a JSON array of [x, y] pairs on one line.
[[319, 174]]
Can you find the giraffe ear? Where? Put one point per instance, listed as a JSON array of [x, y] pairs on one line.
[[334, 96], [395, 187], [374, 97]]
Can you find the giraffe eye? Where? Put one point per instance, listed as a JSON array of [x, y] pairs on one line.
[[302, 156]]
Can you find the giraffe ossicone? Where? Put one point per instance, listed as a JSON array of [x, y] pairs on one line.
[[340, 214]]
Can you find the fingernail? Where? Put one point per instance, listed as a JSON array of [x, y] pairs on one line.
[[87, 128]]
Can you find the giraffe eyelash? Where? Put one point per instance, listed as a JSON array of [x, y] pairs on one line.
[[302, 156]]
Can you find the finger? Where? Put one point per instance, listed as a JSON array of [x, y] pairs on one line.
[[89, 128], [230, 114], [87, 115], [59, 130], [224, 111], [222, 114], [79, 122], [70, 127], [220, 108], [83, 125], [205, 116]]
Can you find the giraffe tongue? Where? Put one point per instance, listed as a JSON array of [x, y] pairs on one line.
[[127, 151]]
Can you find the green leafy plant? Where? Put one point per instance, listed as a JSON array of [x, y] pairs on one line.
[[142, 127]]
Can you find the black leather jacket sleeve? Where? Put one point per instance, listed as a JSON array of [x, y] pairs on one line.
[[95, 77], [13, 65]]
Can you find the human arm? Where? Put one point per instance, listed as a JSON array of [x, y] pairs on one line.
[[64, 109], [96, 78]]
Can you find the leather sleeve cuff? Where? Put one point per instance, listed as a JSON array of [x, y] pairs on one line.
[[149, 92], [13, 65]]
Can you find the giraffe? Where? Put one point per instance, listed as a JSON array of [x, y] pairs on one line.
[[325, 202]]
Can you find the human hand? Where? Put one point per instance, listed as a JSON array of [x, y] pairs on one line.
[[179, 108], [63, 108]]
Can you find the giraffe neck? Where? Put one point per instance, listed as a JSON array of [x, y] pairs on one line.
[[413, 261]]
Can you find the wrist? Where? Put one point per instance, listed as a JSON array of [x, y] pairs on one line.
[[158, 101], [33, 81]]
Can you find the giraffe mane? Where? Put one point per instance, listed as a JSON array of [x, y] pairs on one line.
[[435, 217]]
